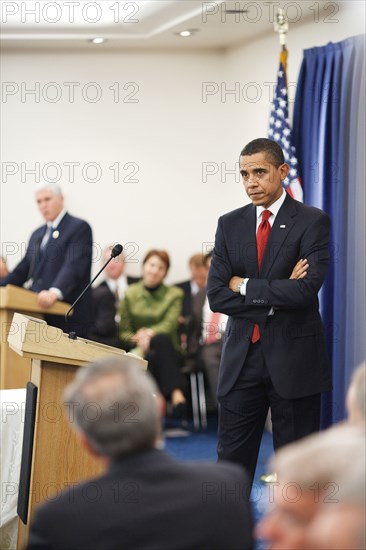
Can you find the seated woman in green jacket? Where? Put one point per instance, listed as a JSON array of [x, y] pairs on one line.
[[149, 326]]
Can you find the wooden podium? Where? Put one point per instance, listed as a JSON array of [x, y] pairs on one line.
[[15, 370], [57, 460]]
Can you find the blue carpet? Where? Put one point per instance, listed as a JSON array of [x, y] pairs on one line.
[[192, 445]]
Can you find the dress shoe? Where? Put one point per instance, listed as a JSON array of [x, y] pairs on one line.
[[267, 479]]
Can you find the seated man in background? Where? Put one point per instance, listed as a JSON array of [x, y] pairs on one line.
[[146, 499], [57, 261], [107, 298], [191, 288], [204, 339], [319, 478], [197, 281]]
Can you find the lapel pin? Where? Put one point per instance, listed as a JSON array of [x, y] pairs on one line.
[[282, 226], [55, 234]]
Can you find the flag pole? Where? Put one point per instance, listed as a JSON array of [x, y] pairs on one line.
[[279, 124], [281, 26]]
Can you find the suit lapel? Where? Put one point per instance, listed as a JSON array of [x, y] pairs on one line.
[[281, 228], [247, 241]]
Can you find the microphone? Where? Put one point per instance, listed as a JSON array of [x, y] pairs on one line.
[[116, 251]]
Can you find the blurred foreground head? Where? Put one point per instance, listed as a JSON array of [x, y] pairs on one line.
[[319, 499], [115, 406], [356, 396]]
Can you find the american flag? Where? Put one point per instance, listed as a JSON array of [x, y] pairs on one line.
[[280, 131]]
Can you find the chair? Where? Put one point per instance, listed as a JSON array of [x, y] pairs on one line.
[[198, 396], [198, 392]]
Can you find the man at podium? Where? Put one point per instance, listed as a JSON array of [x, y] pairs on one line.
[[57, 262]]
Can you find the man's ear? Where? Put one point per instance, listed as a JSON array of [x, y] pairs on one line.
[[161, 405], [87, 445], [284, 170], [90, 449]]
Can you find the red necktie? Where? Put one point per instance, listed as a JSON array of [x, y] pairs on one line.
[[263, 232]]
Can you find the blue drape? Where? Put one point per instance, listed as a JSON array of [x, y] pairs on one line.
[[329, 136]]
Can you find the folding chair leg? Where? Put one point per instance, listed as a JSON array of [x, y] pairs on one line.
[[202, 399], [195, 409]]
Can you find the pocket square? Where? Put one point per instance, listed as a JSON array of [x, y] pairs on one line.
[[282, 226]]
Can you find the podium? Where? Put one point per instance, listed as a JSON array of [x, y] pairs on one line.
[[15, 370], [56, 458]]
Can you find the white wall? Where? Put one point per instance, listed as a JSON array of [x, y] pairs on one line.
[[170, 133]]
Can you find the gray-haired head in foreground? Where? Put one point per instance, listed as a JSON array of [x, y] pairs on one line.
[[115, 405], [358, 382], [56, 189], [335, 457]]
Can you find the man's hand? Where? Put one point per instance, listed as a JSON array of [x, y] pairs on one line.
[[46, 298], [234, 282], [300, 270]]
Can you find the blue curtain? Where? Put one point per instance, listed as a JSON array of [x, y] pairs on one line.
[[329, 136]]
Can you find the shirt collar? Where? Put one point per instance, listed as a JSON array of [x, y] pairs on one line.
[[194, 287], [116, 284], [274, 208], [55, 223]]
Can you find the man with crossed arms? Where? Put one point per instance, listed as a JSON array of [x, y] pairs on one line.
[[269, 263]]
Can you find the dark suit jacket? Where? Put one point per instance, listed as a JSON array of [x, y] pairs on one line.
[[105, 329], [149, 501], [64, 263], [194, 331], [292, 339], [187, 298]]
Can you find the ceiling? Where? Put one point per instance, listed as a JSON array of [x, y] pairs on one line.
[[151, 24]]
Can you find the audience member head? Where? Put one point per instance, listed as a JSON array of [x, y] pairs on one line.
[[207, 260], [116, 267], [155, 267], [3, 268], [50, 200], [356, 396], [340, 521], [263, 168], [310, 473], [198, 270], [126, 403]]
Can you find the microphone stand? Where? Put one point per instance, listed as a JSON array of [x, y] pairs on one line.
[[115, 252]]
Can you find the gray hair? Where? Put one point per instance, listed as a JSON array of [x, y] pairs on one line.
[[115, 405], [358, 381], [335, 456], [56, 189]]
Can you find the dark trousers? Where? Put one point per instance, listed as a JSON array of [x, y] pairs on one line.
[[164, 364], [243, 412], [209, 359]]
